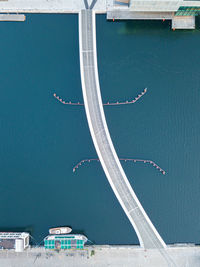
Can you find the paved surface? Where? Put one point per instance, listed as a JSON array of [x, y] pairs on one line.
[[132, 15], [50, 6], [12, 17], [183, 22], [100, 256], [100, 6], [160, 5]]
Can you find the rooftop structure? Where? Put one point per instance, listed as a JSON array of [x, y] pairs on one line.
[[14, 240], [181, 13], [65, 241]]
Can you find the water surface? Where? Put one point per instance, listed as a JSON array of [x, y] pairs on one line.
[[41, 139]]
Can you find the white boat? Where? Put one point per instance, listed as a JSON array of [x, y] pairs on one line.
[[60, 230]]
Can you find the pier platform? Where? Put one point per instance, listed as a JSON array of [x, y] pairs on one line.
[[132, 15], [12, 17], [183, 22], [101, 256]]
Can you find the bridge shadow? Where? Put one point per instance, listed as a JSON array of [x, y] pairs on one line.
[[144, 25]]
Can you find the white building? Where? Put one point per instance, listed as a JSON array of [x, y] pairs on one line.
[[181, 13], [14, 240]]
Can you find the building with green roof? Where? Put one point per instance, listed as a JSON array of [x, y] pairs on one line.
[[65, 241]]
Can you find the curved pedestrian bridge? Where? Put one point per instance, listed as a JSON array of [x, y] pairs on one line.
[[147, 234]]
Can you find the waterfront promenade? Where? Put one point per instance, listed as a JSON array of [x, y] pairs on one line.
[[100, 256], [50, 6], [101, 7]]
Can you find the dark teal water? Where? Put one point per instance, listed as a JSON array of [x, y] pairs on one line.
[[41, 139]]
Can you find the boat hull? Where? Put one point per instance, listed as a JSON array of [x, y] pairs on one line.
[[60, 230]]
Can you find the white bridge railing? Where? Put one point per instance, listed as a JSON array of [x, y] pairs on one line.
[[146, 232]]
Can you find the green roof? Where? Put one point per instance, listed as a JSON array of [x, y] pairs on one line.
[[64, 242], [187, 11]]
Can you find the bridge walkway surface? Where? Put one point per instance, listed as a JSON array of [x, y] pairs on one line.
[[147, 234]]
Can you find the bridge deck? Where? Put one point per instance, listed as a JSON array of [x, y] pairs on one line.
[[147, 234]]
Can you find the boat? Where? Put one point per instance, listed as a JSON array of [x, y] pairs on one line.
[[60, 230]]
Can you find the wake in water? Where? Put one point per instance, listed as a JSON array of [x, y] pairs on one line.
[[105, 104], [125, 160]]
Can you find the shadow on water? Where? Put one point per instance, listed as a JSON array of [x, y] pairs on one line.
[[197, 21], [140, 26], [154, 26], [78, 232], [28, 229]]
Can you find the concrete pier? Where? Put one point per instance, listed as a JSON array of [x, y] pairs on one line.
[[12, 17], [49, 6], [100, 256], [183, 22], [132, 15]]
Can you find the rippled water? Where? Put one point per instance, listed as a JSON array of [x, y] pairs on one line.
[[41, 139]]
